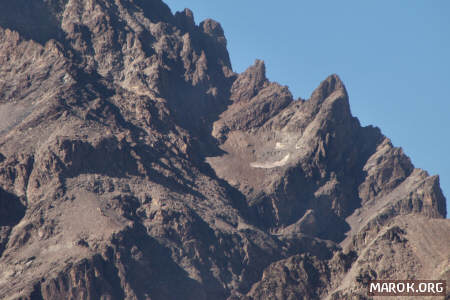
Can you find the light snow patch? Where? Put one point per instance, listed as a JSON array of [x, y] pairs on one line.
[[280, 146], [271, 165]]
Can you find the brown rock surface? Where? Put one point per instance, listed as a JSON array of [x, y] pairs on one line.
[[135, 164]]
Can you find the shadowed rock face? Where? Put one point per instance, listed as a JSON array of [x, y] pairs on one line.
[[135, 164]]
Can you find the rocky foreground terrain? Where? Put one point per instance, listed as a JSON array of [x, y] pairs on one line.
[[135, 164]]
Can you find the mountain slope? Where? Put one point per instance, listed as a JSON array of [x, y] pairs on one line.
[[135, 164]]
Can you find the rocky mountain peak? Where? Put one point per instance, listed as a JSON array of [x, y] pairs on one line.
[[250, 82], [186, 19], [331, 86], [135, 164], [214, 29]]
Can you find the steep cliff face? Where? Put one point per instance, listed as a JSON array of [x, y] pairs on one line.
[[135, 164]]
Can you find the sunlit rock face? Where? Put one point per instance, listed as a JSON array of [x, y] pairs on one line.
[[135, 164]]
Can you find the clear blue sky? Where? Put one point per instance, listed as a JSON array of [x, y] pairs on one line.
[[393, 56]]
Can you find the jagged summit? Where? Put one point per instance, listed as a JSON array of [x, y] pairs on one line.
[[135, 164], [185, 19], [330, 85], [249, 83]]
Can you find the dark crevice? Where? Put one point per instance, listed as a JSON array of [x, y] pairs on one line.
[[11, 209], [158, 278], [36, 294], [33, 19]]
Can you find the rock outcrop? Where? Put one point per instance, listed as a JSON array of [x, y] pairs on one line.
[[135, 164]]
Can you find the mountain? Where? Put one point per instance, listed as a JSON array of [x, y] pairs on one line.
[[135, 164]]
